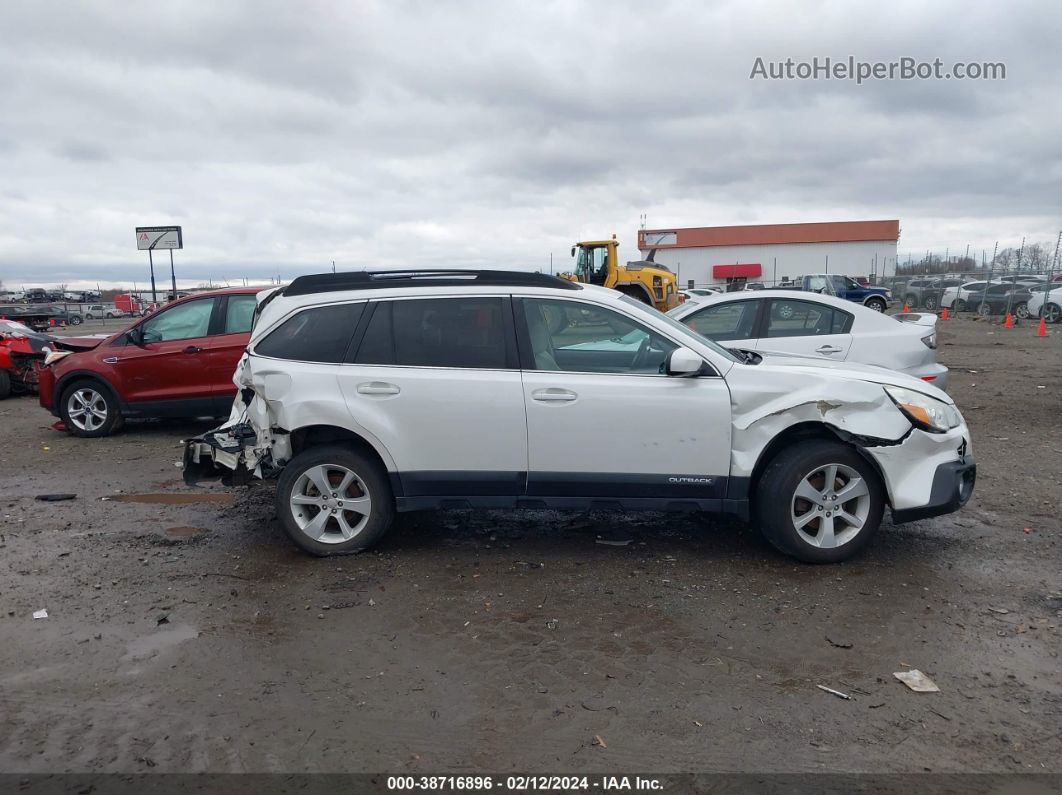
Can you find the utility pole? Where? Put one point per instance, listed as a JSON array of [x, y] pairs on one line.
[[173, 277]]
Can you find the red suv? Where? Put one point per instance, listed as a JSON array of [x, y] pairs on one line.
[[177, 362]]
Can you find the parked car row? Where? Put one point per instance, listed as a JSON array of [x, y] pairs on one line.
[[985, 296]]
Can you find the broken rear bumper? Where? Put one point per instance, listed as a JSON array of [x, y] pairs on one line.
[[219, 453], [953, 485]]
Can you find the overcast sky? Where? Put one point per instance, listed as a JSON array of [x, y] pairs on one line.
[[282, 136]]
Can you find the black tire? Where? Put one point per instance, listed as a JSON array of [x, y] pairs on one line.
[[912, 300], [775, 502], [371, 481], [81, 425], [1052, 312], [959, 305], [75, 320], [877, 304], [1021, 310], [985, 309], [5, 384], [930, 302]]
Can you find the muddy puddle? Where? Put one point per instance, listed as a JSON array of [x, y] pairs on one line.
[[173, 499]]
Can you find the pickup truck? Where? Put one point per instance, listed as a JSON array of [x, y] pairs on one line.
[[877, 298]]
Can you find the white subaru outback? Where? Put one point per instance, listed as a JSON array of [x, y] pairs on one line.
[[370, 393]]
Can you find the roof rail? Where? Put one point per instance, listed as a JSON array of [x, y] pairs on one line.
[[375, 280]]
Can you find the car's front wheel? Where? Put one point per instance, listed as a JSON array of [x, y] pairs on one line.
[[819, 502], [959, 305], [1021, 309], [930, 302], [90, 410], [984, 309], [1052, 313], [333, 500], [877, 304]]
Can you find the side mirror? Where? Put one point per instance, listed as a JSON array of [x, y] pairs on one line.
[[683, 362], [135, 336]]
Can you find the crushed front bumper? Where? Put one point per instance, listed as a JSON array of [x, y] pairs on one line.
[[953, 485]]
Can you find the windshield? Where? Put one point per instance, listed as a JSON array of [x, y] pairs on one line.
[[681, 329]]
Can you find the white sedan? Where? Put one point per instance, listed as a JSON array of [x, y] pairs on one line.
[[1053, 312], [810, 324], [957, 298]]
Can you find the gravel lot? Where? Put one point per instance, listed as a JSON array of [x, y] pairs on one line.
[[186, 634]]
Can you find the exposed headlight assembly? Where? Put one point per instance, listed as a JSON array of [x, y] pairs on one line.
[[924, 412]]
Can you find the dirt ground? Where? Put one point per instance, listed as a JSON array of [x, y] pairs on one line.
[[184, 633]]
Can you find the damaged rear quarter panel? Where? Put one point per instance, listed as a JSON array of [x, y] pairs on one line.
[[292, 395]]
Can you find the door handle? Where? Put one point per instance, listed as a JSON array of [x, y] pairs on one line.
[[553, 395], [378, 388], [192, 349], [829, 349]]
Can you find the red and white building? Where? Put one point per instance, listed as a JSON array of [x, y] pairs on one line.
[[770, 253]]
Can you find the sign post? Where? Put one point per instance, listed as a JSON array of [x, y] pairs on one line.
[[150, 238]]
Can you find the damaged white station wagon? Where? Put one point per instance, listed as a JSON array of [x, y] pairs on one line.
[[367, 393]]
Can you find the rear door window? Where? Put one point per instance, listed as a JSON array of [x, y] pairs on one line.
[[440, 332], [789, 318], [318, 334], [239, 314]]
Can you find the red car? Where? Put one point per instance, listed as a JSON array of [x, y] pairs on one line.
[[177, 362]]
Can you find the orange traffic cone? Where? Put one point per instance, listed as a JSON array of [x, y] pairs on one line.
[[945, 315], [1041, 330], [906, 308], [1009, 322]]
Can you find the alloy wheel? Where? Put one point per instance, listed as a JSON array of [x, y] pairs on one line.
[[830, 506], [330, 503], [87, 409]]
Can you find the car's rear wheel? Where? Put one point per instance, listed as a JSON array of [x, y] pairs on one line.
[[75, 320], [784, 311], [877, 304], [333, 500], [1021, 309], [90, 410], [819, 502], [930, 302], [984, 309]]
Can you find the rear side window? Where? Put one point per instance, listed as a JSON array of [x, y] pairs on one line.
[[789, 318], [239, 313], [320, 334], [438, 332]]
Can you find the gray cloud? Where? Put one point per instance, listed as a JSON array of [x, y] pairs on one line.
[[283, 136]]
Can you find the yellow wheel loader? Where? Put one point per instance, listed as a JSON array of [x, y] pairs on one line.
[[597, 262]]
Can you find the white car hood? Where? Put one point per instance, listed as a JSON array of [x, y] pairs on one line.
[[787, 364]]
